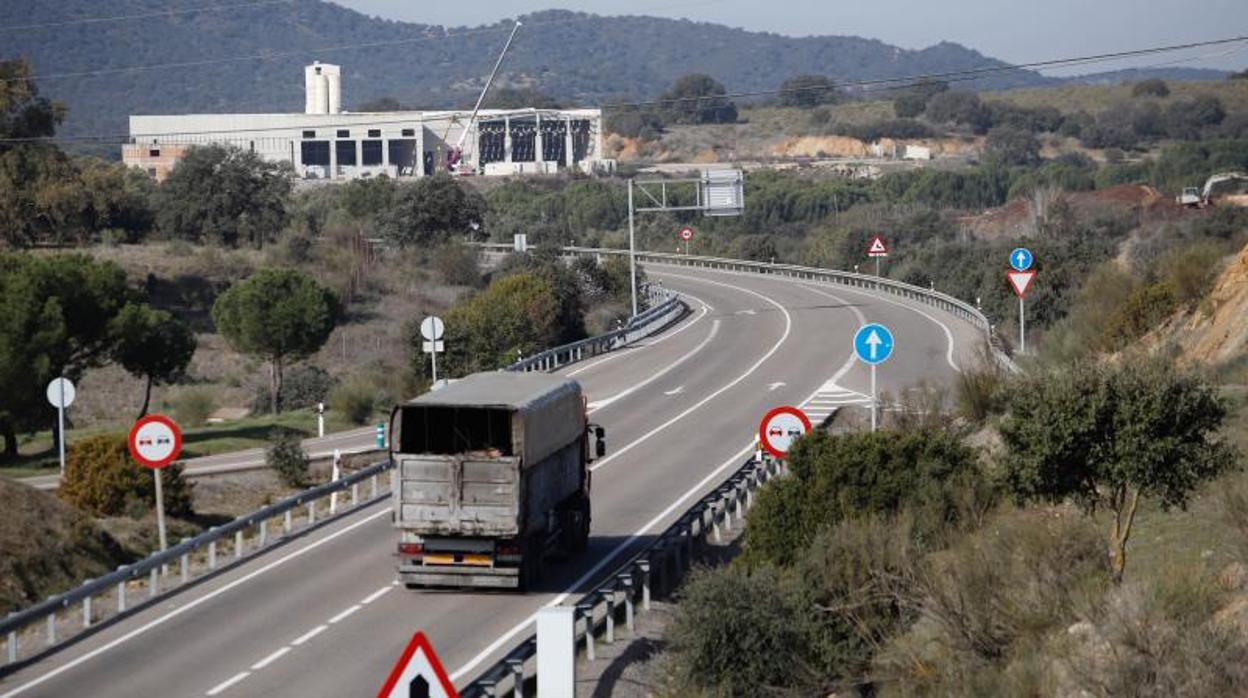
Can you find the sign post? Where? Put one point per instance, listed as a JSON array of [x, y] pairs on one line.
[[1021, 260], [686, 234], [155, 442], [431, 329], [876, 249], [873, 344], [320, 419], [779, 428], [418, 673], [61, 394]]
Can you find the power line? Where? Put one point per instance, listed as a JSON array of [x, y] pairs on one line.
[[865, 85], [146, 15]]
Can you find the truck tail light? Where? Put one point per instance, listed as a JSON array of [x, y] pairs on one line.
[[411, 549]]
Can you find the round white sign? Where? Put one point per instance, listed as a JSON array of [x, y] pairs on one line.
[[61, 392], [431, 328]]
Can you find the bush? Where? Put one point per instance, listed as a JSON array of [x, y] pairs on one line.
[[102, 479], [1155, 87], [978, 388], [1190, 270], [356, 398], [1143, 310], [192, 406], [457, 265], [1011, 146], [285, 455], [302, 387]]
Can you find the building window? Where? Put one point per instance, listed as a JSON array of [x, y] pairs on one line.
[[153, 153], [370, 152], [314, 153], [409, 132], [403, 156], [345, 151], [374, 133], [309, 134], [344, 133]]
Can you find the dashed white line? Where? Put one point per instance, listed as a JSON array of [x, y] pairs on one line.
[[221, 687], [375, 595], [597, 405], [309, 635], [270, 659], [344, 614]]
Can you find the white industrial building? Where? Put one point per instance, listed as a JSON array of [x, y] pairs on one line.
[[326, 143]]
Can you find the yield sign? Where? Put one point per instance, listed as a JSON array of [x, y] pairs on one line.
[[418, 673], [1021, 281], [877, 247]]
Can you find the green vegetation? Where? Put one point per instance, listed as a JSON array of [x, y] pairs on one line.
[[285, 455], [278, 314], [102, 479], [153, 344]]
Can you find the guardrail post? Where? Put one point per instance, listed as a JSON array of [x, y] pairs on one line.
[[488, 686], [311, 512], [212, 555], [355, 494], [121, 593], [238, 544], [715, 526], [185, 564], [372, 483], [264, 532], [86, 609], [727, 509], [644, 565], [517, 677], [627, 580], [12, 646], [609, 597], [587, 611], [287, 522], [51, 628], [153, 583]]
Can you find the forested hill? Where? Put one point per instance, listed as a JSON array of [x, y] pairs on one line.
[[572, 56]]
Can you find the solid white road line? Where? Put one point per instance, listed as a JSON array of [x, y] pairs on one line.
[[706, 308], [788, 329], [344, 614], [376, 594], [192, 604], [599, 404], [227, 683], [309, 635], [270, 659]]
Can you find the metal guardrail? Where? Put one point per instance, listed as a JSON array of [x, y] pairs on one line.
[[217, 547], [943, 301], [656, 569]]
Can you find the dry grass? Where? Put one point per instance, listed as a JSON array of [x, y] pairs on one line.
[[1098, 98]]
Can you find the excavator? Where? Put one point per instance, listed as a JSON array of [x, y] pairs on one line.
[[1196, 197], [455, 155]]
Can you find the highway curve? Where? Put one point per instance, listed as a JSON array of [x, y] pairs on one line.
[[322, 615]]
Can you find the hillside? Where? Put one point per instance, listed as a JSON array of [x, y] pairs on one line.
[[579, 57], [1216, 333]]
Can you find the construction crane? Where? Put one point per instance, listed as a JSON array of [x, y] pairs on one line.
[[1196, 197], [455, 155]]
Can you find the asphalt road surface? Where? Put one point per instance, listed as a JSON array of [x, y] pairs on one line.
[[324, 616]]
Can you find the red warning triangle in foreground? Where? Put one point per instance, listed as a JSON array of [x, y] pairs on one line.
[[418, 673], [1021, 281]]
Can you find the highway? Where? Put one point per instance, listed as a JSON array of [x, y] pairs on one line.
[[323, 616]]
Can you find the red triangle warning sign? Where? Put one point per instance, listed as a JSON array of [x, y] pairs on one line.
[[1021, 281], [418, 673], [877, 247]]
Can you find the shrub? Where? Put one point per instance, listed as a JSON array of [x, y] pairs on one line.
[[1144, 309], [302, 387], [978, 388], [1235, 510], [1155, 87], [457, 265], [192, 406], [285, 455], [1007, 145], [358, 396], [1191, 269], [102, 479]]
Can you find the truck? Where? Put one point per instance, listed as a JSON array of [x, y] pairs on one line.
[[491, 478]]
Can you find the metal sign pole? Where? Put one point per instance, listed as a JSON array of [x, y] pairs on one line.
[[1022, 328], [874, 400], [60, 430], [433, 359], [160, 510], [877, 265], [632, 250]]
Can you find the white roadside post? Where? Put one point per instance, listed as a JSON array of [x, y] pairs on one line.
[[335, 472], [61, 394], [873, 345], [155, 442], [431, 328], [556, 651], [320, 419]]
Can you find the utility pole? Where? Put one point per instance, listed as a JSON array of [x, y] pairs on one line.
[[632, 249]]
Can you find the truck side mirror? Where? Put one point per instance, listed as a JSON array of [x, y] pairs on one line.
[[600, 448], [600, 433]]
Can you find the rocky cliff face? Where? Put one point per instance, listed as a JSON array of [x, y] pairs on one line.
[[1218, 330]]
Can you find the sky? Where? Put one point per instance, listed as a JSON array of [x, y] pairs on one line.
[[1012, 30]]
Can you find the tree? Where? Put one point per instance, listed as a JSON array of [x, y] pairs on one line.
[[281, 315], [285, 456], [364, 198], [1011, 146], [55, 319], [515, 316], [1188, 118], [960, 107], [808, 91], [913, 102], [522, 98], [1109, 436], [152, 344], [431, 210], [224, 194], [1153, 87], [698, 99]]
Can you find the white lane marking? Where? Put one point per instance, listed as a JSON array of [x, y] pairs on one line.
[[674, 391], [309, 635], [778, 384], [375, 595], [192, 604], [746, 312], [735, 459], [270, 659], [221, 687], [344, 614], [595, 406], [706, 308], [788, 329]]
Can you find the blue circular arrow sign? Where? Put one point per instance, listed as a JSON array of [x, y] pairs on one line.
[[873, 344], [1021, 259]]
